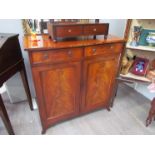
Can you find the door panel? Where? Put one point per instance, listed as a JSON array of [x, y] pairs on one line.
[[99, 76], [60, 88]]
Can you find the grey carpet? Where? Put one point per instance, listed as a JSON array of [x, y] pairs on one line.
[[126, 117]]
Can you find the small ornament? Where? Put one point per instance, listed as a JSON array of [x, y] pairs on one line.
[[135, 35]]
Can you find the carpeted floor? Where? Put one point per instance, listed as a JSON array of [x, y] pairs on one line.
[[126, 117]]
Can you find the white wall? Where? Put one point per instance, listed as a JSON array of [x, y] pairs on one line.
[[116, 26], [10, 25]]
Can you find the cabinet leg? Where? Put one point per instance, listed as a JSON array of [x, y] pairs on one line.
[[112, 103], [43, 131], [114, 96], [151, 115], [148, 122], [108, 108], [26, 87], [5, 117]]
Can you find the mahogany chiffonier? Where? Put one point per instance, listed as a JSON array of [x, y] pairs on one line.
[[72, 78]]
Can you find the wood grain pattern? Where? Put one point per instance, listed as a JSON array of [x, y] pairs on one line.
[[96, 29], [69, 31], [60, 88], [103, 49], [54, 56], [69, 84], [99, 76], [65, 30], [43, 42]]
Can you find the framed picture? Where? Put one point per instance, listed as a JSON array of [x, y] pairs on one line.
[[143, 36], [140, 66]]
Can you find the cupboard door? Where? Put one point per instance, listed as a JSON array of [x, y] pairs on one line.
[[57, 88], [99, 76]]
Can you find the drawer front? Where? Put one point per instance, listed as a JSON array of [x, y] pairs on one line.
[[54, 56], [68, 31], [103, 49], [95, 29]]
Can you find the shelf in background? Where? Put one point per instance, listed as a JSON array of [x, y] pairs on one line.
[[135, 77], [144, 48]]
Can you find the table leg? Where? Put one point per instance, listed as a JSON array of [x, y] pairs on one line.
[[151, 115], [26, 87], [5, 117]]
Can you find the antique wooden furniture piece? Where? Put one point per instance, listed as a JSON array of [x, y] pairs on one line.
[[66, 30], [73, 77], [151, 115], [11, 61], [5, 118]]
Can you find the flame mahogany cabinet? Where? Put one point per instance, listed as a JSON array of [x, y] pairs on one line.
[[73, 77]]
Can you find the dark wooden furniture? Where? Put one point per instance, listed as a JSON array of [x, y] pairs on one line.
[[5, 118], [11, 61], [73, 77], [151, 115], [66, 30]]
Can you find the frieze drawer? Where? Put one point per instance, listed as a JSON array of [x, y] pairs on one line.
[[54, 56], [103, 49]]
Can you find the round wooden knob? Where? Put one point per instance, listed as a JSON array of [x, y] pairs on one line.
[[69, 30]]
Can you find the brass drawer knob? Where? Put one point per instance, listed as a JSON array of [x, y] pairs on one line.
[[94, 50], [45, 56], [111, 47], [69, 30], [94, 29], [70, 53]]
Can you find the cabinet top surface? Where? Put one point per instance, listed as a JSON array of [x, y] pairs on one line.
[[75, 24], [43, 42]]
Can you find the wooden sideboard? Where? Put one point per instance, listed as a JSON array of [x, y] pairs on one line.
[[73, 77]]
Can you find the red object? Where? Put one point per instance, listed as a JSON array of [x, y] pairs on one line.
[[140, 66]]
